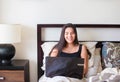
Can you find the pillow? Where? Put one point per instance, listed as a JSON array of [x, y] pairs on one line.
[[46, 47], [96, 68], [91, 48], [111, 54]]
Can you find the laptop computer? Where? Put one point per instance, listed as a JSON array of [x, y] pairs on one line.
[[64, 66]]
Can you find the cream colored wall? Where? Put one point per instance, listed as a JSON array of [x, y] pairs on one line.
[[29, 13]]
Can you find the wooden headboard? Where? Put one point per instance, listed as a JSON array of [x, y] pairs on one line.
[[40, 41]]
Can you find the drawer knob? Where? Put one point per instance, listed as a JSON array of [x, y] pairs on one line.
[[2, 78]]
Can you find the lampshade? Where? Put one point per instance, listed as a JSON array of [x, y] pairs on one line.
[[9, 33]]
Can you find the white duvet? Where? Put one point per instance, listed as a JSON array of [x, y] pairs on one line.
[[60, 79], [108, 75]]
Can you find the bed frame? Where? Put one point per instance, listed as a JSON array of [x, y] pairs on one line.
[[39, 38]]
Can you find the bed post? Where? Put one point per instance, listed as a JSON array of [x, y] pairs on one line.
[[40, 52]]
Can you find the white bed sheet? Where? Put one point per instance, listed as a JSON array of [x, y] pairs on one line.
[[60, 79], [107, 75]]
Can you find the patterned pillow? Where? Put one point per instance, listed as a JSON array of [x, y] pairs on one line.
[[111, 54]]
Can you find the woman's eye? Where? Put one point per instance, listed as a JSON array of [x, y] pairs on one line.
[[66, 33], [69, 33], [72, 33]]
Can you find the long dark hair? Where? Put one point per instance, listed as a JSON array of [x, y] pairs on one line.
[[62, 42]]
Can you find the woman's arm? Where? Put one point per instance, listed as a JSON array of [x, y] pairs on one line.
[[84, 55], [54, 53]]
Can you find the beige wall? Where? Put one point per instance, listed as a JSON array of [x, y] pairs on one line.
[[29, 13]]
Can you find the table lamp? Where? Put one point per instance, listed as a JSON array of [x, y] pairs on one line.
[[9, 34]]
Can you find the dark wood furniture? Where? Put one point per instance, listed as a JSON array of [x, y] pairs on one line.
[[40, 41], [17, 71]]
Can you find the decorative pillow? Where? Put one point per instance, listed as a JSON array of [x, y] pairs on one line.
[[47, 46], [111, 54]]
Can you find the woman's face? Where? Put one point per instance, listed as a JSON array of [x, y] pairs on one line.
[[69, 35]]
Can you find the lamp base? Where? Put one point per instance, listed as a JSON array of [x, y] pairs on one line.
[[7, 52], [5, 62]]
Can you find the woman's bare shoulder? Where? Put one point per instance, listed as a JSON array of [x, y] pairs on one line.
[[84, 46]]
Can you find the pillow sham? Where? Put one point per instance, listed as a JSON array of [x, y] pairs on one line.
[[47, 46], [111, 54]]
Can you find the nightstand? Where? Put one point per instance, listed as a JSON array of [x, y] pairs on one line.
[[17, 71]]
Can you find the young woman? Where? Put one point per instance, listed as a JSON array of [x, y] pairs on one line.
[[68, 46]]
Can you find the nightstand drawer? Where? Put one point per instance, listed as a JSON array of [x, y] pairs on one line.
[[11, 76]]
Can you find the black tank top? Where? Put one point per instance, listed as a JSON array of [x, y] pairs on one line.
[[75, 54]]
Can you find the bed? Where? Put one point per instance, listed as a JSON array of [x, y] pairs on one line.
[[96, 45]]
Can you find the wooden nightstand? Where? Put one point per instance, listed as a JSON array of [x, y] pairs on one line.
[[17, 71]]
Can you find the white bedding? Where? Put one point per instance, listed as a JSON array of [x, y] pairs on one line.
[[107, 75], [60, 79]]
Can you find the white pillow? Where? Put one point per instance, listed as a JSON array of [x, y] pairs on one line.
[[47, 46], [96, 68], [91, 48]]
